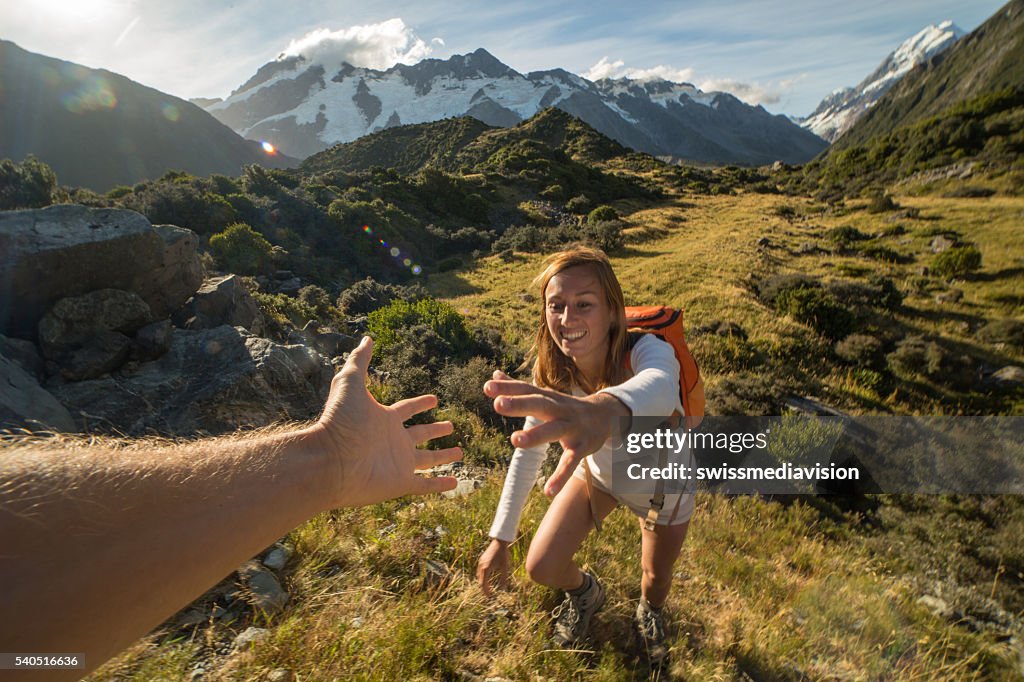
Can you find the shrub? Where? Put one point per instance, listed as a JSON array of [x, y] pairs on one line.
[[578, 204], [1010, 332], [881, 253], [881, 202], [845, 235], [601, 214], [818, 309], [463, 385], [367, 295], [317, 300], [30, 184], [282, 310], [605, 235], [744, 395], [449, 264], [553, 192], [768, 290], [860, 350], [241, 250], [958, 261], [723, 354], [386, 324], [916, 355]]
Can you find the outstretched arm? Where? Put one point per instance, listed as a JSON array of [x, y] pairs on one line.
[[100, 545]]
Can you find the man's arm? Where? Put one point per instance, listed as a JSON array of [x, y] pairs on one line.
[[101, 545]]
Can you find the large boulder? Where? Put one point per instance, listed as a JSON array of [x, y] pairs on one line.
[[67, 250], [219, 301], [24, 404], [72, 322], [211, 380]]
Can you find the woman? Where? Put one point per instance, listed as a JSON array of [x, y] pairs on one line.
[[581, 383]]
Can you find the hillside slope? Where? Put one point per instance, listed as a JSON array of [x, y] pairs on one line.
[[97, 129]]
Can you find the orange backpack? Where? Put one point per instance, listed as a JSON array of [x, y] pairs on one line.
[[667, 324]]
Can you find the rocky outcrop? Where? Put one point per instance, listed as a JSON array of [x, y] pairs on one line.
[[219, 301], [211, 380], [24, 404], [68, 250]]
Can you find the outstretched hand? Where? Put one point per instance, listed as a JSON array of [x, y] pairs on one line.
[[580, 425], [372, 454]]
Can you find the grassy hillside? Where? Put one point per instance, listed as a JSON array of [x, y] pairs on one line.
[[818, 588]]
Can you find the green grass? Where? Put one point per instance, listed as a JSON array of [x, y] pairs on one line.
[[810, 589]]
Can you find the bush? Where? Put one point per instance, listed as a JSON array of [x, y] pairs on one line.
[[768, 290], [368, 295], [881, 202], [241, 250], [845, 235], [30, 184], [579, 204], [281, 310], [601, 214], [958, 261], [860, 350], [463, 385], [386, 324], [818, 309], [449, 264], [1010, 332], [317, 300], [744, 395], [605, 235], [881, 253]]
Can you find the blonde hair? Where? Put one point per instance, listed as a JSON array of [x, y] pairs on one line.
[[551, 368]]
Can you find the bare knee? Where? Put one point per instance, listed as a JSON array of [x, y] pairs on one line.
[[543, 569], [657, 578]]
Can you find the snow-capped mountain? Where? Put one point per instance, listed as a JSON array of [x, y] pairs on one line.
[[303, 107], [841, 109]]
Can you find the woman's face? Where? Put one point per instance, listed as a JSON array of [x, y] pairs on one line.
[[578, 316]]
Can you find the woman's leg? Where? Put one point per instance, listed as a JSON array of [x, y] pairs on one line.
[[561, 532], [660, 549]]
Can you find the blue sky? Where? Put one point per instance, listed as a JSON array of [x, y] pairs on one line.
[[785, 55]]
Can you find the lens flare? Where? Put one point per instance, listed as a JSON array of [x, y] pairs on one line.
[[170, 112], [367, 229], [268, 148], [93, 93], [395, 251], [416, 269], [407, 262]]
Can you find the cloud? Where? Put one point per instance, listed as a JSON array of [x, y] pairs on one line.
[[752, 93], [606, 68], [375, 46]]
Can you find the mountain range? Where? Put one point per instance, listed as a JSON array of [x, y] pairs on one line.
[[98, 129], [304, 107], [841, 109]]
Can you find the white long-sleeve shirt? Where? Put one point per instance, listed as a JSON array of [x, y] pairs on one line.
[[652, 391]]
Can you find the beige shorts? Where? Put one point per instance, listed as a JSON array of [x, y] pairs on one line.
[[640, 504]]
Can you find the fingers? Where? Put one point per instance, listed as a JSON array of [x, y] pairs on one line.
[[506, 386], [542, 406], [405, 409], [359, 359], [425, 459], [548, 432], [499, 375], [484, 580], [562, 472], [421, 433]]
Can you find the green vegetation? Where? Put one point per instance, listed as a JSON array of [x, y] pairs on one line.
[[29, 184], [958, 261], [242, 250]]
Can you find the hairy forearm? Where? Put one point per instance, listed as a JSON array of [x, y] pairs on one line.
[[141, 532]]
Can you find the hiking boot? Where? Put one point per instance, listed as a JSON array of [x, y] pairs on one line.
[[651, 625], [572, 616]]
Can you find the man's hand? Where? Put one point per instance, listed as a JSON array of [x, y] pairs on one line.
[[492, 570], [581, 425], [371, 454]]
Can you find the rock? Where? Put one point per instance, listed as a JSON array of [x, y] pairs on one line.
[[941, 243], [435, 573], [220, 301], [250, 636], [284, 274], [464, 487], [264, 590], [1011, 375], [101, 355], [289, 287], [68, 250], [807, 247], [25, 354], [280, 675], [152, 341], [276, 558], [75, 321], [24, 404], [950, 296], [213, 380], [357, 622], [764, 242], [937, 606], [330, 344], [922, 271]]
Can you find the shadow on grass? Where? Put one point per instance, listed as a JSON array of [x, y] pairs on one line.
[[998, 275]]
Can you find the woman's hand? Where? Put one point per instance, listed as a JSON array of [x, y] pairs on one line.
[[493, 567], [581, 425]]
